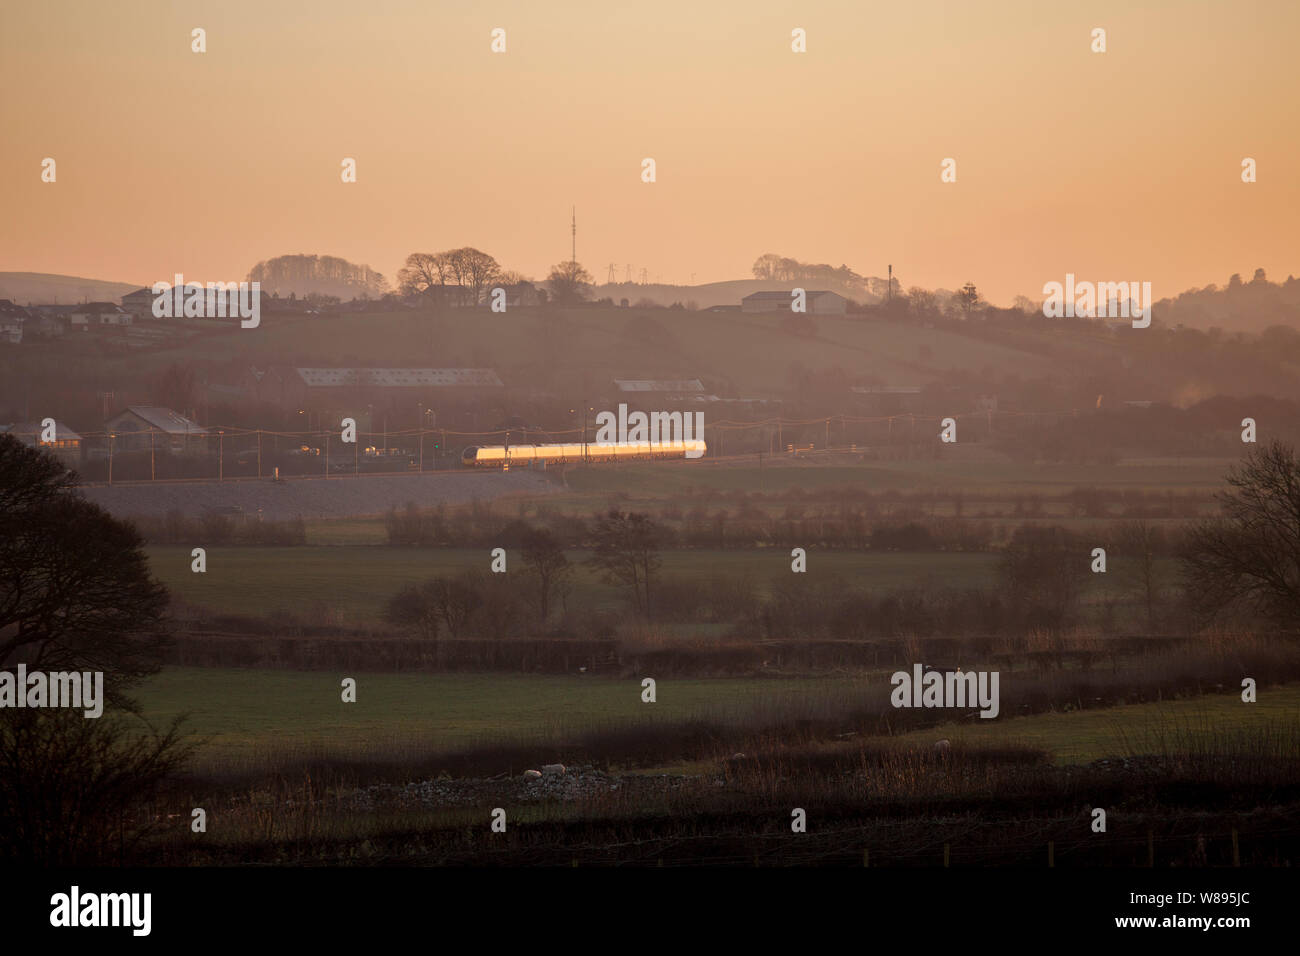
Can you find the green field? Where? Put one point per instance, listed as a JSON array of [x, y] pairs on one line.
[[244, 712], [351, 584], [354, 582], [248, 715]]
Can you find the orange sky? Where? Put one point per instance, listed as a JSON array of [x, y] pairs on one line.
[[1116, 166]]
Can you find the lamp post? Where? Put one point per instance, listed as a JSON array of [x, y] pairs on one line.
[[111, 436], [221, 455]]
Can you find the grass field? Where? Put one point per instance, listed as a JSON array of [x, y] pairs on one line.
[[351, 584], [246, 715], [242, 712]]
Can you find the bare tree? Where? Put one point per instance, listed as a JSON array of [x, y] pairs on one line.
[[545, 559], [1140, 540], [423, 272], [627, 551], [767, 266], [75, 595], [415, 608], [922, 301], [1249, 558], [474, 270], [456, 600], [1041, 571], [75, 587], [569, 283]]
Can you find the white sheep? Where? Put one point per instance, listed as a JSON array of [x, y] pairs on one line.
[[552, 769], [942, 746]]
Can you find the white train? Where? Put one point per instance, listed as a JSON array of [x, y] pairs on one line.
[[499, 456]]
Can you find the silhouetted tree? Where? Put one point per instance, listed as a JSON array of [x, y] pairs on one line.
[[968, 298], [75, 595], [1042, 570], [569, 283], [75, 588], [1250, 557], [627, 552], [544, 559]]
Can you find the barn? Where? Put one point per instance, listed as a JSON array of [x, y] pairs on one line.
[[819, 302]]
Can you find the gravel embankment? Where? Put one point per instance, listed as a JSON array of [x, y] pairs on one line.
[[576, 784]]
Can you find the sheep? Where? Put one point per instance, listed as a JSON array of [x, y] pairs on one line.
[[532, 774], [942, 746], [552, 769]]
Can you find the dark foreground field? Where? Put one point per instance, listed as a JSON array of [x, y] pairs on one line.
[[414, 771]]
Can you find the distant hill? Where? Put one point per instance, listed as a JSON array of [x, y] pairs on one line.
[[724, 293], [44, 288], [1237, 307]]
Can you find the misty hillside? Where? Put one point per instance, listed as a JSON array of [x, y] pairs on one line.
[[720, 293], [47, 288], [1237, 307], [546, 357]]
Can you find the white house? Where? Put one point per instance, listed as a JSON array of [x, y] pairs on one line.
[[819, 302], [99, 313], [12, 319]]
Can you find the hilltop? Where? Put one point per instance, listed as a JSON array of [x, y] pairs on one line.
[[47, 288]]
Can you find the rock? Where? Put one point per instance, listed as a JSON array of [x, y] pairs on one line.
[[553, 769], [531, 774]]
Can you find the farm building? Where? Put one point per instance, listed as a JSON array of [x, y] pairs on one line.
[[141, 427], [51, 320], [94, 314], [328, 378], [659, 386], [886, 399], [139, 303], [66, 444], [818, 302], [13, 319], [520, 295]]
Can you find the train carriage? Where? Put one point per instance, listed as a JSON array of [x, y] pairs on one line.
[[499, 456]]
